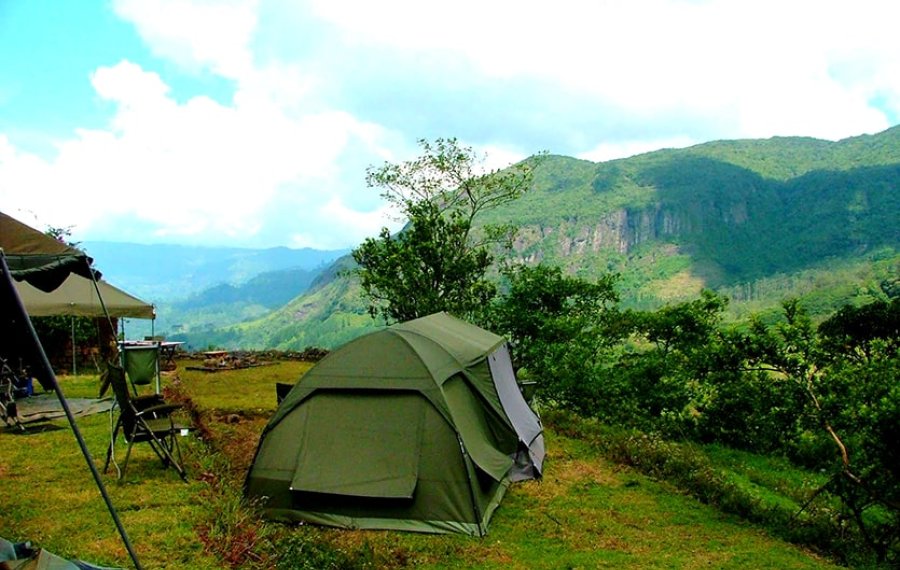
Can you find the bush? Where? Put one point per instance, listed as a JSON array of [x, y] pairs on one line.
[[301, 550], [687, 467]]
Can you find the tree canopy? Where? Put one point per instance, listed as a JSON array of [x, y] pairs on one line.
[[439, 260]]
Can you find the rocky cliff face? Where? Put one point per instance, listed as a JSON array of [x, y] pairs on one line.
[[725, 210], [619, 231]]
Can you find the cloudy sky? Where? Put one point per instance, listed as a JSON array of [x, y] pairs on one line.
[[251, 123]]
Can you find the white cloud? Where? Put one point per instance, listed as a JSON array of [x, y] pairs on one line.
[[341, 220], [765, 68], [212, 34], [498, 157], [198, 170], [681, 71]]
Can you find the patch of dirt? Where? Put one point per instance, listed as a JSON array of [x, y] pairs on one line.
[[563, 475], [236, 435]]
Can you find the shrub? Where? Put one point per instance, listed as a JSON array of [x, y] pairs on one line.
[[300, 550]]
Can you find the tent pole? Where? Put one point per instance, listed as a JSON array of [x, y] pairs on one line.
[[467, 462], [103, 303], [74, 365], [44, 363]]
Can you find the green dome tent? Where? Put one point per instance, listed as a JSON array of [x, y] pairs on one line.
[[419, 426]]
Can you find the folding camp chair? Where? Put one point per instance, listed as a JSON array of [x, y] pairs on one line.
[[144, 420], [141, 363]]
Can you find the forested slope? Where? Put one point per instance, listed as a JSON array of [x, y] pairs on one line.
[[759, 220]]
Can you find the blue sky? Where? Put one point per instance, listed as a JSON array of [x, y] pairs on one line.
[[251, 122]]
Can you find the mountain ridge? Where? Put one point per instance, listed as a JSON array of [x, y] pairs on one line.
[[168, 272], [720, 215]]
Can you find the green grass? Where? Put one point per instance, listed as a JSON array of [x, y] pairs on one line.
[[247, 391], [772, 477], [587, 512], [50, 498]]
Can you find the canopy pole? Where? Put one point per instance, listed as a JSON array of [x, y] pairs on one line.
[[74, 365], [44, 364], [103, 304]]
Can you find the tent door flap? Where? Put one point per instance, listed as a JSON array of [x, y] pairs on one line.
[[362, 444]]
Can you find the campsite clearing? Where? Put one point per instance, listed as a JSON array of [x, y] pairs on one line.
[[585, 513]]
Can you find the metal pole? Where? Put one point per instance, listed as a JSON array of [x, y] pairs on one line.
[[74, 365]]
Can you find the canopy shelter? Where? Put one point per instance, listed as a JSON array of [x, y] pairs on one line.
[[44, 262], [28, 255], [78, 296], [419, 426]]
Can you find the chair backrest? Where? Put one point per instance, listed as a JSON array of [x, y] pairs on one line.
[[141, 363], [282, 389], [115, 375]]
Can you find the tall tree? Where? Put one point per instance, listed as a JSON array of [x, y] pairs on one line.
[[439, 260], [848, 373], [561, 330]]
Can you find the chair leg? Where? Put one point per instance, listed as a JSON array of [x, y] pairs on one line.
[[125, 463], [110, 449], [156, 446], [175, 464], [163, 450], [177, 449]]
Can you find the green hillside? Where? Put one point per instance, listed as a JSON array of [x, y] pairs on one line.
[[226, 304], [758, 220], [332, 307]]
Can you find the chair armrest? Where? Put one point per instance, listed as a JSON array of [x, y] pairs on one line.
[[162, 409], [147, 400]]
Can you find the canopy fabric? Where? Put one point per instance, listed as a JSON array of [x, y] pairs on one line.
[[77, 297], [37, 258]]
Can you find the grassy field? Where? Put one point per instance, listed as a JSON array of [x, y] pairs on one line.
[[586, 513]]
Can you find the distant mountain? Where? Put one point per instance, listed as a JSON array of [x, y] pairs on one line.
[[164, 273], [332, 305], [271, 289], [758, 220], [226, 304]]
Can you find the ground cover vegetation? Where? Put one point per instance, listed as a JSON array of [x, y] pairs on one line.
[[588, 512], [824, 397]]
